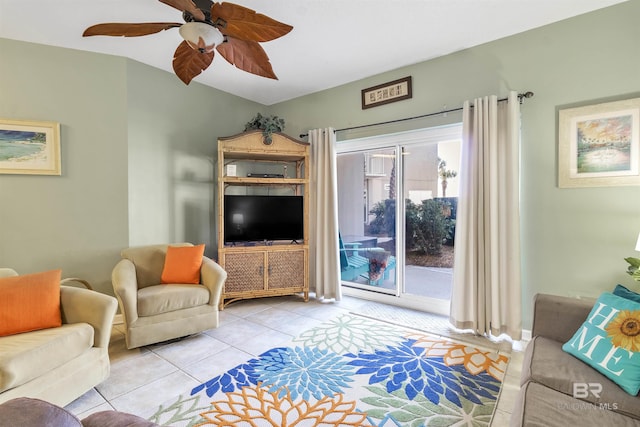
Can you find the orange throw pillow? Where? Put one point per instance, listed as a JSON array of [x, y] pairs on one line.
[[182, 264], [30, 302]]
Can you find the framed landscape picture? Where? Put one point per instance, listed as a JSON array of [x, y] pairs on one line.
[[29, 147], [599, 145]]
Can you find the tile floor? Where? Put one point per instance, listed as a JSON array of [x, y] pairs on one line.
[[142, 379]]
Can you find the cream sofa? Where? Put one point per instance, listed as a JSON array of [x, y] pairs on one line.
[[60, 364]]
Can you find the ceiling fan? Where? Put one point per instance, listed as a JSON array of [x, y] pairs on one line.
[[233, 30]]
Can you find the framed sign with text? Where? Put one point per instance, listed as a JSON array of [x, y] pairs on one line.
[[386, 93]]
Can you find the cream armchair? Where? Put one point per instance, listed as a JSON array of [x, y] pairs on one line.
[[155, 312], [60, 364]]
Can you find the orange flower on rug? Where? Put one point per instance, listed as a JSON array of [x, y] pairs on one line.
[[255, 406], [475, 360]]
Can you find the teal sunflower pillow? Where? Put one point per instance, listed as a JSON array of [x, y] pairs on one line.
[[609, 341]]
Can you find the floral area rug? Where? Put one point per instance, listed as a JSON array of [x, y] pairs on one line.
[[350, 371]]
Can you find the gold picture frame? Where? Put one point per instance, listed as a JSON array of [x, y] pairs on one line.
[[386, 93], [599, 145], [29, 147]]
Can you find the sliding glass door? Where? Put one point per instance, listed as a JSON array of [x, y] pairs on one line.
[[430, 184], [397, 197], [366, 190]]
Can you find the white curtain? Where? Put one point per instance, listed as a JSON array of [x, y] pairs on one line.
[[324, 265], [486, 294]]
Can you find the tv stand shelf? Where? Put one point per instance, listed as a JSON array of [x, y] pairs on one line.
[[236, 180], [263, 269]]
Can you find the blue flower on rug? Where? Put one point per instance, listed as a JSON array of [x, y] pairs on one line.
[[405, 367], [401, 378], [303, 371], [236, 378]]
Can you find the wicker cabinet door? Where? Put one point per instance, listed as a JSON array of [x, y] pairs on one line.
[[245, 272], [286, 269]]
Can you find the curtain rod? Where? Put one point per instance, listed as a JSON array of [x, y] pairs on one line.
[[521, 97]]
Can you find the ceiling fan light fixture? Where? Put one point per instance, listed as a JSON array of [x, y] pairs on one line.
[[233, 30], [201, 36]]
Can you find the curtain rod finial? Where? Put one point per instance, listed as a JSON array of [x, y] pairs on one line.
[[527, 94]]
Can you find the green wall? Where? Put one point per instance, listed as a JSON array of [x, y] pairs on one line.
[[573, 240], [123, 125], [173, 133], [77, 221]]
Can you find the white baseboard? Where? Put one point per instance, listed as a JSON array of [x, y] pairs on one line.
[[522, 344]]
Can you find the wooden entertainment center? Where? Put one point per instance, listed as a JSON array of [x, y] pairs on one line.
[[249, 165]]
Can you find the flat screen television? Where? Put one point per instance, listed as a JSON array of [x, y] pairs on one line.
[[263, 218]]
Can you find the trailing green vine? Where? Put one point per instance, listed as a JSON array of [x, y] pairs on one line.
[[268, 125], [634, 268]]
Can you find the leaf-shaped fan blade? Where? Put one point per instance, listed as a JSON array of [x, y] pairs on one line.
[[128, 30], [186, 5], [246, 24], [248, 56], [188, 63]]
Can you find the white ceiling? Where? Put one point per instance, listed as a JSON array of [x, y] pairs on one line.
[[333, 41]]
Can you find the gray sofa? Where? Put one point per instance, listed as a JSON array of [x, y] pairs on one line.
[[60, 364], [29, 412], [549, 374]]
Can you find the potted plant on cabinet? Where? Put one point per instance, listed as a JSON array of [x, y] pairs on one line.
[[268, 125]]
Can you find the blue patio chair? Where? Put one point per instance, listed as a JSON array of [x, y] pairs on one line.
[[391, 265], [352, 264]]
